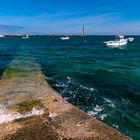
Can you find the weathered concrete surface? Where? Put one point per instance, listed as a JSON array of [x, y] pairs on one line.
[[60, 121]]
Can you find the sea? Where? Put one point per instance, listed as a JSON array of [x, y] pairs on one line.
[[103, 81]]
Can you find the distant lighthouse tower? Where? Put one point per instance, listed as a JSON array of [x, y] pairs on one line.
[[83, 31]]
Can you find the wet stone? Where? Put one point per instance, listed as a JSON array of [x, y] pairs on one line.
[[27, 106]]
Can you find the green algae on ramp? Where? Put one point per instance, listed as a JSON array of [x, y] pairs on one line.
[[71, 125], [21, 81], [27, 106], [23, 69]]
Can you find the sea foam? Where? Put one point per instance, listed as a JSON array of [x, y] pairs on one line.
[[6, 117]]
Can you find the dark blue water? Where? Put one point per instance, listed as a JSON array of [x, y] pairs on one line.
[[104, 82]]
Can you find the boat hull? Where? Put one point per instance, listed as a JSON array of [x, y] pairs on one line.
[[65, 38], [117, 43]]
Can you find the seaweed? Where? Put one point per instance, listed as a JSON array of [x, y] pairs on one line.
[[27, 106]]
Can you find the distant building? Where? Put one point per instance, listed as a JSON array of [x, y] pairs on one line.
[[83, 30]]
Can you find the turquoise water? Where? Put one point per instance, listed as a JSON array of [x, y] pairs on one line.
[[104, 82]]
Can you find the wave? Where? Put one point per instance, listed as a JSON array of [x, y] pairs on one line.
[[97, 109], [109, 102], [7, 117], [84, 97], [63, 84]]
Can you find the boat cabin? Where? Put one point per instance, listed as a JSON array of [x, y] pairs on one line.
[[119, 37]]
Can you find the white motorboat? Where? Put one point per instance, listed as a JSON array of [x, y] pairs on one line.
[[131, 39], [1, 36], [65, 38], [119, 41], [25, 37]]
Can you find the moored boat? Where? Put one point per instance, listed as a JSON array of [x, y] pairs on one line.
[[1, 36], [119, 41], [131, 39], [65, 38], [24, 37]]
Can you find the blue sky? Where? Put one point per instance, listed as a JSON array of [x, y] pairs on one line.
[[68, 16]]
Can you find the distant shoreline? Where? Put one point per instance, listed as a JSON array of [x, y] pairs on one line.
[[21, 35]]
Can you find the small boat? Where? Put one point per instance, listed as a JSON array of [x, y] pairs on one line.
[[24, 37], [1, 36], [119, 41], [131, 39], [65, 38]]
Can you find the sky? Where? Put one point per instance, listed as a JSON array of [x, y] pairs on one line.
[[69, 16]]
